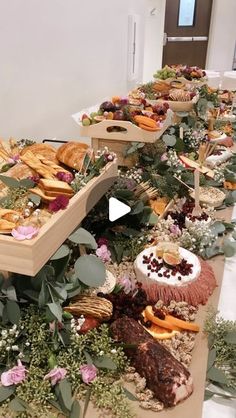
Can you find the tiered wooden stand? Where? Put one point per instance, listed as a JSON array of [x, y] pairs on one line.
[[27, 257], [119, 141]]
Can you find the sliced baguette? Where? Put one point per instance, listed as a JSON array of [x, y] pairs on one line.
[[55, 186]]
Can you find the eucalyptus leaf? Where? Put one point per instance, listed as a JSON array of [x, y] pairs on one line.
[[217, 375], [6, 392], [2, 280], [81, 236], [208, 395], [137, 208], [18, 405], [10, 182], [217, 228], [75, 410], [124, 194], [56, 310], [86, 402], [13, 312], [43, 295], [88, 357], [31, 294], [234, 234], [90, 270], [229, 248], [66, 395], [104, 362], [11, 293], [211, 358], [129, 395], [230, 337], [169, 140], [26, 183], [62, 252], [35, 199], [212, 251], [1, 309]]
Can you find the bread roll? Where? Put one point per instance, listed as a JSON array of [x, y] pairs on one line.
[[42, 149], [73, 154]]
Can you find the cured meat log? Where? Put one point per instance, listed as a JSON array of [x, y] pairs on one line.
[[169, 380]]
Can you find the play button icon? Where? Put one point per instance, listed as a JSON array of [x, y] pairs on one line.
[[117, 209]]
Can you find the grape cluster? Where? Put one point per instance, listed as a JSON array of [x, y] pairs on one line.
[[164, 73]]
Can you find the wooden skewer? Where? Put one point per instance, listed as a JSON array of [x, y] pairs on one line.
[[185, 184]]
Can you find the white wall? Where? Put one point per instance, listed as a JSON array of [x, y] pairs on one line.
[[154, 32], [58, 56], [222, 35]]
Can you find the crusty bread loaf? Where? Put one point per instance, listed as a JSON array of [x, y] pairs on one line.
[[42, 149], [55, 186], [73, 154]]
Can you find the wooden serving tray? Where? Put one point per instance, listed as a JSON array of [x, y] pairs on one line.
[[131, 132], [27, 257], [177, 106]]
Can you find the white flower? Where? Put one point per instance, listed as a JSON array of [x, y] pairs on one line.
[[8, 348], [27, 344], [113, 351], [15, 348], [101, 353]]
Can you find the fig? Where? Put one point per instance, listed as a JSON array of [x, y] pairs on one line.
[[118, 115], [107, 106]]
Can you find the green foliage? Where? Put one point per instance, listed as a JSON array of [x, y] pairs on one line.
[[222, 356]]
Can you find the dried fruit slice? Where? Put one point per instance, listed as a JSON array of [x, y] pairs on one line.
[[149, 314], [160, 333], [190, 326], [172, 259]]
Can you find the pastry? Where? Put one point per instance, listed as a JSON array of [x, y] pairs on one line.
[[44, 150], [73, 154]]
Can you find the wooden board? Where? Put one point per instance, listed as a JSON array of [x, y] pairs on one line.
[[131, 133], [27, 257]]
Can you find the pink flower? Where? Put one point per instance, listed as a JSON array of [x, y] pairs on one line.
[[89, 372], [164, 157], [61, 202], [102, 241], [126, 283], [103, 253], [24, 232], [67, 177], [56, 375], [174, 229], [14, 376]]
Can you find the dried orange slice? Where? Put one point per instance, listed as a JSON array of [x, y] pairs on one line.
[[149, 314], [160, 333], [171, 259]]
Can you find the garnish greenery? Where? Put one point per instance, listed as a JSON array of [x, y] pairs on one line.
[[221, 369]]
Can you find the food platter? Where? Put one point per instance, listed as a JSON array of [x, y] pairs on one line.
[[130, 133], [177, 106], [28, 257]]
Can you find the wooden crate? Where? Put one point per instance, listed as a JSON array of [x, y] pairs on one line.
[[27, 257]]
